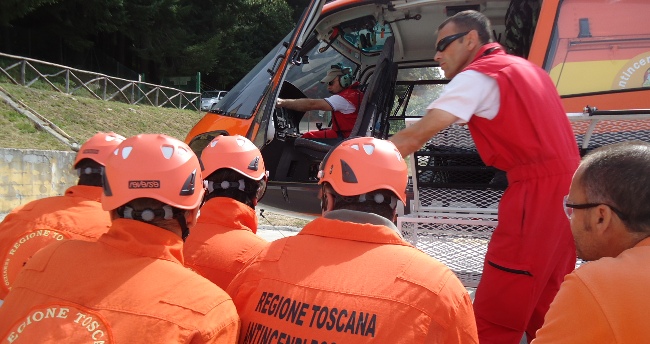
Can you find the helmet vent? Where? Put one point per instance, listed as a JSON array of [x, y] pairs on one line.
[[126, 151], [188, 186], [369, 149], [254, 165], [347, 173], [167, 151]]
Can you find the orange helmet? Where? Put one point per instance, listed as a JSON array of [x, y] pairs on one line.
[[363, 164], [153, 166], [236, 153], [98, 148]]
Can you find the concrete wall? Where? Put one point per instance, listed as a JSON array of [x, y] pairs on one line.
[[28, 174]]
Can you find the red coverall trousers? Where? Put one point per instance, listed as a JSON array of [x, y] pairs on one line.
[[527, 257]]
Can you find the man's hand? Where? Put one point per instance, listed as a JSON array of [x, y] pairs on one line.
[[279, 103]]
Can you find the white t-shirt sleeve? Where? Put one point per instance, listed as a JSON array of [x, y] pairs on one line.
[[340, 104], [469, 93]]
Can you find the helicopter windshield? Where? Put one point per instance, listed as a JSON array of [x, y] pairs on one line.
[[237, 102]]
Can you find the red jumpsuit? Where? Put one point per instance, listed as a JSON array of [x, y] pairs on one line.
[[532, 248], [341, 123], [223, 240], [130, 286], [349, 278], [30, 227]]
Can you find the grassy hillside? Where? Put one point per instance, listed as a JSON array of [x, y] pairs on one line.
[[82, 117]]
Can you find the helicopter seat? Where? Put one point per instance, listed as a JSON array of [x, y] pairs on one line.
[[375, 105], [315, 148]]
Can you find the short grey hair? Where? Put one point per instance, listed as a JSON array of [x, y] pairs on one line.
[[619, 175], [472, 20]]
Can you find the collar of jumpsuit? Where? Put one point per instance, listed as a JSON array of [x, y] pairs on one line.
[[144, 240]]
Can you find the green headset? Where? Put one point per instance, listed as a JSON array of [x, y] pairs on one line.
[[346, 79]]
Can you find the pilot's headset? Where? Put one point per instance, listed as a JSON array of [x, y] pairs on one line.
[[346, 79]]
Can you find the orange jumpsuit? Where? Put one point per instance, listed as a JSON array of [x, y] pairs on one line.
[[130, 286], [349, 278], [30, 227], [603, 301], [223, 240]]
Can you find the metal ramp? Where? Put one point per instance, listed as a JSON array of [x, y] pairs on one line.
[[456, 197]]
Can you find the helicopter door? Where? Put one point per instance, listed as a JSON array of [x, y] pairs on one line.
[[278, 70]]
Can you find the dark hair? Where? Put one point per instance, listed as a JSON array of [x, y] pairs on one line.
[[225, 174], [353, 203], [619, 175], [92, 179], [471, 20]]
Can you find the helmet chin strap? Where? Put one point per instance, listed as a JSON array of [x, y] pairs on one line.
[[185, 231]]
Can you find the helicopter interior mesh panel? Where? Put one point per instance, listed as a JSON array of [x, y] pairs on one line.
[[461, 247], [450, 178]]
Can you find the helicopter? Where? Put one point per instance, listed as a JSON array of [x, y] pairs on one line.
[[597, 53]]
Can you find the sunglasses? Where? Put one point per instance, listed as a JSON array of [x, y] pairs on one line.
[[331, 83], [444, 43]]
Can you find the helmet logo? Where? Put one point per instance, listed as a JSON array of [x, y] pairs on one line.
[[144, 184], [347, 173], [91, 151], [254, 165]]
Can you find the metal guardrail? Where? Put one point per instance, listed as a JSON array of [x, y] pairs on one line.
[[26, 72]]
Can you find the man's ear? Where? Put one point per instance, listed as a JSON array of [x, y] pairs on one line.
[[191, 216], [601, 218], [326, 201], [473, 39]]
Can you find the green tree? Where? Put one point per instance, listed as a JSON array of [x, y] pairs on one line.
[[229, 43], [11, 10], [219, 38]]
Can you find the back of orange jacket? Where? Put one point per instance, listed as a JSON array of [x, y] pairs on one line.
[[76, 215], [128, 287], [223, 240], [345, 282]]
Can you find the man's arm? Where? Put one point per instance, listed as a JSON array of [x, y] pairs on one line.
[[304, 104], [414, 137]]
